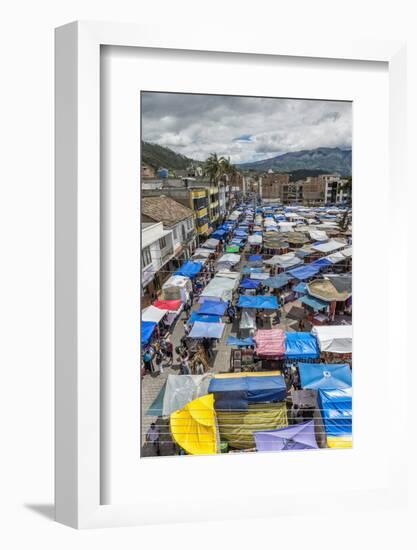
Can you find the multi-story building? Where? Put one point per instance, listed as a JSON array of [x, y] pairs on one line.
[[271, 185], [292, 192], [176, 217], [325, 189], [187, 192], [157, 252]]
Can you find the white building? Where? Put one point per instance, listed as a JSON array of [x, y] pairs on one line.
[[157, 250]]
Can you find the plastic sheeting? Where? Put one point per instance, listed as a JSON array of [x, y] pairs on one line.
[[147, 328], [247, 319], [203, 318], [238, 427], [270, 343], [249, 283], [316, 235], [170, 305], [252, 389], [287, 260], [255, 239], [206, 330], [213, 308], [254, 258], [334, 338], [220, 287], [301, 345], [341, 442], [329, 246], [315, 303], [278, 281], [304, 272], [210, 243], [240, 342], [180, 390], [325, 376], [336, 409], [258, 302], [189, 269], [153, 313], [194, 426], [300, 436], [229, 259], [259, 275]]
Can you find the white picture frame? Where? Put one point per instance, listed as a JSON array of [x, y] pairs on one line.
[[77, 236]]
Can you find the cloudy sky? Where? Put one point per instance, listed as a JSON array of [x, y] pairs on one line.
[[243, 128]]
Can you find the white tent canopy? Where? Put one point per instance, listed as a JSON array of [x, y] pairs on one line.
[[335, 257], [153, 313], [255, 239], [330, 246], [220, 287], [180, 390], [334, 338], [229, 259], [210, 243], [285, 260], [318, 235]]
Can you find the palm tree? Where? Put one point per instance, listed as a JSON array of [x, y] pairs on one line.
[[214, 167]]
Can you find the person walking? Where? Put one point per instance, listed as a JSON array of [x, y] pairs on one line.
[[147, 360], [185, 363], [153, 437]]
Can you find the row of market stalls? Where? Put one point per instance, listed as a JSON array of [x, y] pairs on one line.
[[294, 254], [249, 412]]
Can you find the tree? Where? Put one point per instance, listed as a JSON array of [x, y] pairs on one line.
[[214, 167]]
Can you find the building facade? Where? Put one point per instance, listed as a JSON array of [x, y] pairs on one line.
[[157, 252]]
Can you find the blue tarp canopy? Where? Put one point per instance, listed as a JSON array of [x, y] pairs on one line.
[[258, 302], [249, 283], [336, 408], [315, 303], [322, 262], [146, 331], [301, 287], [212, 307], [248, 269], [301, 345], [233, 341], [203, 317], [326, 376], [240, 233], [206, 330], [304, 272], [218, 234], [278, 281], [255, 258], [236, 393], [189, 269]]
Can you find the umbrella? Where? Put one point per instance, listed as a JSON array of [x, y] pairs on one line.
[[300, 436]]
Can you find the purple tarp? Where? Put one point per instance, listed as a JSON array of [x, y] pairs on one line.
[[299, 436]]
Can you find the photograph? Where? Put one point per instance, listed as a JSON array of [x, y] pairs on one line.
[[246, 274]]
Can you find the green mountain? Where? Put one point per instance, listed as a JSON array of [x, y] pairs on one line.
[[326, 159], [162, 157]]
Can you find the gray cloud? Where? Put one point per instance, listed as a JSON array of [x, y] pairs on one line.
[[196, 125]]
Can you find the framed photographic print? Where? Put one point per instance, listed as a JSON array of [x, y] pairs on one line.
[[216, 210]]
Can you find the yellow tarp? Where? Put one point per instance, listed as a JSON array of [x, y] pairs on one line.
[[194, 426], [237, 427], [341, 442], [240, 374]]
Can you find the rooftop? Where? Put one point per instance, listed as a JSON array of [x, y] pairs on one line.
[[164, 209]]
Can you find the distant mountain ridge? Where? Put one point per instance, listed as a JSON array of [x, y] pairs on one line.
[[327, 159], [158, 156]]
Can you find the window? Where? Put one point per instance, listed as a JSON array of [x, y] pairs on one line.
[[162, 243], [175, 233], [146, 256]]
